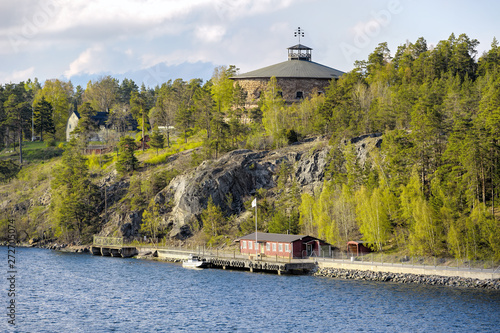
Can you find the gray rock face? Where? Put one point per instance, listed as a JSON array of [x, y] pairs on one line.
[[236, 175]]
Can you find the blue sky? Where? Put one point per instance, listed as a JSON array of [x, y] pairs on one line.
[[152, 41]]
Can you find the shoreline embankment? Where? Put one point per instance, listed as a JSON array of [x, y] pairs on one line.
[[428, 275]]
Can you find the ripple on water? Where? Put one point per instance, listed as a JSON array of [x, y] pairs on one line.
[[62, 292]]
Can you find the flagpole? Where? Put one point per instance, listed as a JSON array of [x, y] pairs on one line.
[[255, 204]]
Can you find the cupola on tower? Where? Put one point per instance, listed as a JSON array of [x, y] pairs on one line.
[[298, 77]]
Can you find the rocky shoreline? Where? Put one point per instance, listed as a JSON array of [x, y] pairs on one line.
[[63, 247], [435, 280]]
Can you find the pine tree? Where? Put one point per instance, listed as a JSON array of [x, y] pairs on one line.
[[157, 141], [127, 162], [43, 121], [75, 197]]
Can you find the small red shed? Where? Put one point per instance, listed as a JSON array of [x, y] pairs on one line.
[[282, 245], [358, 248]]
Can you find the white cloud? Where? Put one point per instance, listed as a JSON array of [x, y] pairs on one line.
[[210, 34], [89, 61], [17, 76]]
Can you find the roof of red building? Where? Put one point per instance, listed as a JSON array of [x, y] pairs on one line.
[[268, 237]]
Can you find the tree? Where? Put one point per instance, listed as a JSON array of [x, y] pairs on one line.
[[125, 91], [272, 110], [42, 115], [151, 220], [184, 119], [162, 114], [59, 94], [204, 107], [141, 103], [307, 214], [86, 125], [120, 117], [75, 197], [102, 93], [8, 170], [372, 217], [127, 162], [18, 115], [157, 141], [214, 222]]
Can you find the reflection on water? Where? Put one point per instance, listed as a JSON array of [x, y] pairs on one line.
[[61, 292]]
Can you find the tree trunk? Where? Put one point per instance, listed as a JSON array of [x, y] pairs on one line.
[[20, 146], [143, 139]]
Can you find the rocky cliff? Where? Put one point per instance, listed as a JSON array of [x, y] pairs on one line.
[[230, 181], [234, 178]]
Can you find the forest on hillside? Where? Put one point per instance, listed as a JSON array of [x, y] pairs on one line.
[[431, 189]]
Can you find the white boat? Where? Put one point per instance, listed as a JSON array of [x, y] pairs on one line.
[[194, 262]]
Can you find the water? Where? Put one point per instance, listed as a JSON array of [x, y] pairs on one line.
[[64, 292]]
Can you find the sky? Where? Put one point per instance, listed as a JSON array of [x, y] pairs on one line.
[[152, 41]]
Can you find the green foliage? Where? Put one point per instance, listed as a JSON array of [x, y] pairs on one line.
[[42, 118], [373, 217], [127, 162], [151, 220], [59, 94], [157, 141], [8, 170], [74, 198], [272, 110], [214, 221], [86, 125]]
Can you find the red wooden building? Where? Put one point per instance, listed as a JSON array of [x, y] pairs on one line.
[[357, 248], [281, 245]]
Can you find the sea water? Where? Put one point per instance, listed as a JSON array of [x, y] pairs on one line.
[[69, 292]]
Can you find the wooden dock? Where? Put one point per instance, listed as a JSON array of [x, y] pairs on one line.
[[238, 262], [112, 247], [262, 266]]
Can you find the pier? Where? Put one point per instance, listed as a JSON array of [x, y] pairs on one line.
[[236, 261], [262, 266], [112, 247]]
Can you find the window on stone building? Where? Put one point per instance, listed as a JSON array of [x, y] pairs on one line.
[[280, 93], [299, 95]]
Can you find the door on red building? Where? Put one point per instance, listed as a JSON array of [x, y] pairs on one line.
[[309, 249]]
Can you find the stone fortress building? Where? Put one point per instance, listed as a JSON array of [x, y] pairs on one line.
[[298, 77]]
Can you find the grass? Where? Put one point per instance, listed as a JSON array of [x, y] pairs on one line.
[[33, 151], [167, 152]]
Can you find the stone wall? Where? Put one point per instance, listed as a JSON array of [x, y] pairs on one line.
[[289, 87], [436, 280], [415, 270]]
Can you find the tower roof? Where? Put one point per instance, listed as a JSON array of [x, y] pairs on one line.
[[293, 69], [299, 47]]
